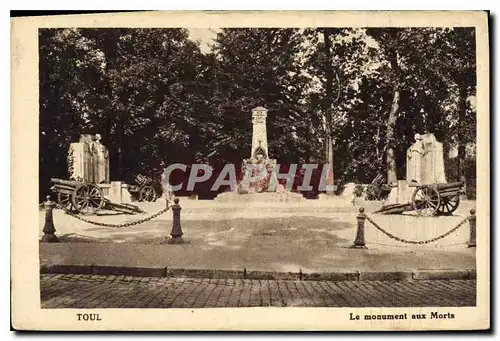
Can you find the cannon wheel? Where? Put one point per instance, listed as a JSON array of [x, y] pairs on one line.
[[372, 192], [87, 199], [64, 199], [147, 193], [426, 200], [449, 204]]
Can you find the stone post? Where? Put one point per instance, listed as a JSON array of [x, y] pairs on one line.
[[472, 227], [176, 232], [359, 242], [49, 229], [115, 191]]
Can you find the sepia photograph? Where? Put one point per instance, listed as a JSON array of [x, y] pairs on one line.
[[266, 166]]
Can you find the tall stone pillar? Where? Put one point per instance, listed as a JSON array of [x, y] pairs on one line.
[[259, 136], [259, 178]]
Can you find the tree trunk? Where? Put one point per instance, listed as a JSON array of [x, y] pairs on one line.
[[391, 120], [389, 138], [462, 108], [108, 43], [120, 147], [328, 110], [327, 148]]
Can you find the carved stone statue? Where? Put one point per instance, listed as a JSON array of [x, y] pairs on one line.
[[88, 160], [81, 159], [101, 161], [414, 160], [424, 160]]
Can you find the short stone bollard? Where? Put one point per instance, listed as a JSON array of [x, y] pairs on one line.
[[49, 229], [472, 228], [359, 242], [176, 233]]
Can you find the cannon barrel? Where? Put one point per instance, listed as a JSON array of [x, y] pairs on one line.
[[142, 180], [69, 183], [59, 188], [451, 185]]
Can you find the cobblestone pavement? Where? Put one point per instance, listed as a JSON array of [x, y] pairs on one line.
[[92, 291]]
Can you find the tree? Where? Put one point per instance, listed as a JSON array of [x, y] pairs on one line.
[[389, 41], [144, 90], [69, 70], [258, 67], [335, 60], [458, 69], [156, 99], [419, 88]]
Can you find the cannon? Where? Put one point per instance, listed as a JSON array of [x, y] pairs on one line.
[[86, 198], [429, 200], [144, 189], [437, 199], [377, 190]]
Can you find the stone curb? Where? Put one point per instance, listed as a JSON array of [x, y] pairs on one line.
[[444, 274], [261, 275]]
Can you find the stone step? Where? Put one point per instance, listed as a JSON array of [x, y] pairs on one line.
[[273, 197]]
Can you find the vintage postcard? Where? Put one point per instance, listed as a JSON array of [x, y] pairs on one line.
[[251, 171]]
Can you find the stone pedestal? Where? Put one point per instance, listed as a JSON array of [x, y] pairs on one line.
[[119, 192], [400, 194], [116, 191]]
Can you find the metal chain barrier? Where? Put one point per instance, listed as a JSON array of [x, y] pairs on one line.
[[137, 222], [390, 235]]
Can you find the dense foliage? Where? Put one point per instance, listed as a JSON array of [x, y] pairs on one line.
[[356, 96]]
